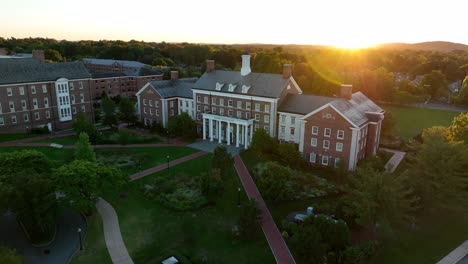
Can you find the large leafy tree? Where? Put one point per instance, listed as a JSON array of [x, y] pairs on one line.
[[9, 256], [109, 115], [84, 151], [83, 181], [262, 142], [435, 84], [221, 158], [462, 96], [458, 131], [249, 220], [275, 181], [182, 125], [127, 111], [373, 197], [308, 245], [81, 124]]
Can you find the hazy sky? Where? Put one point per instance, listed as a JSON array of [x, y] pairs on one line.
[[342, 23]]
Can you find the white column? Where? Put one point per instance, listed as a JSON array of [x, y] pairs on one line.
[[245, 136], [301, 135], [228, 132], [204, 129], [211, 129], [219, 131], [251, 134], [237, 135]]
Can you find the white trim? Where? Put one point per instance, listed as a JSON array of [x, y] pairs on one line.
[[295, 85], [49, 82], [232, 95], [301, 135], [164, 116], [353, 152], [328, 160], [331, 106]]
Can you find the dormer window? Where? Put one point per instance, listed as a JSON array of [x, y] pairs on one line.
[[219, 86], [232, 87], [245, 88]]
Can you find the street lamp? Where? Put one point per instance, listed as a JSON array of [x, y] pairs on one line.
[[167, 161], [79, 235], [238, 197]]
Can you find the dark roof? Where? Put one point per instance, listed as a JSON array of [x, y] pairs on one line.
[[125, 63], [261, 84], [32, 70], [101, 75], [146, 71], [179, 88], [355, 110]]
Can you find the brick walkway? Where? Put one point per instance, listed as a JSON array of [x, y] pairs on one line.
[[275, 240], [161, 167], [114, 242], [395, 160]]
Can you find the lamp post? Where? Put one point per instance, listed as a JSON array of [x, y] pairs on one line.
[[79, 235], [238, 197], [167, 161]]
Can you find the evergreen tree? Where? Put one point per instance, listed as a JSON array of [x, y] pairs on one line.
[[84, 151]]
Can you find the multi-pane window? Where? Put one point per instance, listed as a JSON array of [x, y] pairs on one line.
[[230, 103], [12, 106], [313, 157], [213, 100], [292, 131], [172, 112], [21, 90], [46, 102], [340, 134], [282, 119], [267, 108], [144, 110], [83, 108], [198, 99], [205, 100], [2, 121], [247, 105], [267, 129], [339, 147], [229, 113], [205, 109], [151, 111], [239, 114], [26, 117], [239, 104], [282, 129], [221, 111], [293, 120], [72, 98], [313, 142], [247, 115], [325, 160], [327, 132], [157, 112], [156, 103], [35, 103], [74, 110], [266, 118], [13, 119], [81, 85], [181, 103], [315, 130], [33, 89], [36, 115], [144, 101], [150, 102], [44, 88], [199, 108], [171, 103], [337, 162], [72, 87], [82, 97], [257, 117], [326, 144], [213, 110], [257, 107], [9, 92], [221, 101], [23, 105], [47, 114]]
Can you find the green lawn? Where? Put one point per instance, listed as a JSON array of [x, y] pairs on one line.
[[410, 121], [108, 137], [152, 232], [68, 140], [11, 137]]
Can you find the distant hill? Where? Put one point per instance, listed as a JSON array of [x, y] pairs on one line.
[[432, 45]]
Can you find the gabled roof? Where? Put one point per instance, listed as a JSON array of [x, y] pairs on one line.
[[261, 84], [31, 70], [168, 88], [102, 75], [125, 63], [354, 110]]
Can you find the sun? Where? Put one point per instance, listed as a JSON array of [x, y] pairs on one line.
[[354, 45]]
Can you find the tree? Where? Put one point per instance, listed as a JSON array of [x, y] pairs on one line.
[[458, 130], [438, 172], [262, 142], [249, 220], [127, 111], [84, 151], [275, 181], [182, 125], [221, 158], [81, 124], [289, 154], [52, 55], [307, 244], [82, 182], [462, 97], [108, 110], [9, 256], [435, 84], [372, 196]]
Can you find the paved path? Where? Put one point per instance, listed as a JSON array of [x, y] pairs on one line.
[[275, 240], [115, 244], [395, 160], [161, 167]]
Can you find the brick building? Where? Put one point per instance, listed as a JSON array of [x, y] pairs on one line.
[[229, 106], [37, 94]]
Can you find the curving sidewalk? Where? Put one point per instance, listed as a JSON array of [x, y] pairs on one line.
[[114, 242], [395, 160]]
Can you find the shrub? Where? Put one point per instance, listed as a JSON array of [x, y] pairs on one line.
[[359, 254]]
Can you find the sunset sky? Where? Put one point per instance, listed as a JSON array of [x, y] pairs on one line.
[[342, 23]]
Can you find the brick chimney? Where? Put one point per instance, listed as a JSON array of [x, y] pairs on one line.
[[346, 91], [245, 70], [287, 71], [38, 54], [174, 75], [210, 65], [3, 51]]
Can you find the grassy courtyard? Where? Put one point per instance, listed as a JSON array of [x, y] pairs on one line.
[[11, 137], [410, 121], [107, 137]]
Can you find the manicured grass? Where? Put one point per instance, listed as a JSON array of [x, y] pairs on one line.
[[435, 236], [153, 232], [410, 121], [11, 137], [68, 140], [71, 140], [58, 156], [95, 249]]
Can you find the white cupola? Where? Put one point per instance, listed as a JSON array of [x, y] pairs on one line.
[[245, 70]]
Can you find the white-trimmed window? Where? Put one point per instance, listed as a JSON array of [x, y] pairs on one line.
[[267, 129], [247, 115], [257, 117], [23, 105], [205, 109], [1, 111], [74, 110], [81, 85], [324, 160], [339, 147], [21, 90], [239, 104], [256, 126], [2, 121], [337, 162], [44, 88], [326, 144], [327, 132], [72, 98], [239, 114], [313, 142], [151, 111], [230, 103], [35, 106], [26, 117], [213, 110], [198, 99], [144, 110], [47, 114], [150, 102], [37, 116], [156, 103], [313, 157], [198, 117], [13, 119], [171, 103], [340, 134], [157, 112], [33, 89], [221, 111], [292, 131], [9, 92], [230, 113], [82, 97], [247, 105], [46, 102], [205, 100], [282, 119], [144, 101], [83, 108], [12, 106], [266, 118], [267, 108], [181, 103], [221, 101], [257, 107], [293, 120], [315, 130], [72, 87], [198, 108], [213, 100], [172, 112], [282, 129]]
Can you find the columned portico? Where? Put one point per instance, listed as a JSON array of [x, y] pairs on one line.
[[225, 127]]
